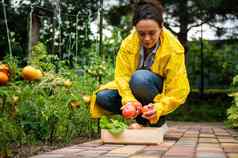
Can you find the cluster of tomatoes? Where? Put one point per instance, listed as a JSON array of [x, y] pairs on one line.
[[133, 109], [28, 73]]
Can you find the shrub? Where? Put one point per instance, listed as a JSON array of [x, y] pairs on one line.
[[210, 107], [232, 112], [45, 111], [220, 64]]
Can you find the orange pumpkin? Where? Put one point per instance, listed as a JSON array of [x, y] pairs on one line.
[[4, 68], [29, 73], [3, 78]]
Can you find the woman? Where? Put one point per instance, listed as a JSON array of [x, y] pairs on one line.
[[150, 71]]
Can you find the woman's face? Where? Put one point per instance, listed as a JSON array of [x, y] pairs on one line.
[[149, 32]]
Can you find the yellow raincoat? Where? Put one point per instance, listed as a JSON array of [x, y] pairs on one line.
[[168, 63]]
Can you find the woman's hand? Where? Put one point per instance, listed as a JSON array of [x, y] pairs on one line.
[[131, 109], [149, 113]]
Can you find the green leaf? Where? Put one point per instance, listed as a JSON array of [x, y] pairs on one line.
[[104, 121], [114, 125], [116, 131]]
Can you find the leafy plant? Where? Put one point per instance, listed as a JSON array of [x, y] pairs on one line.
[[39, 57], [114, 125], [220, 64], [232, 112], [42, 111], [9, 133], [100, 68], [210, 108]]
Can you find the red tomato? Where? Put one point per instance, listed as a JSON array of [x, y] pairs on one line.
[[138, 107], [129, 111], [146, 109]]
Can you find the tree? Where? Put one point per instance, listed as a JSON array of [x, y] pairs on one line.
[[186, 14], [193, 13], [45, 9]]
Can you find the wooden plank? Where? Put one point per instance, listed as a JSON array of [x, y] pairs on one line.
[[145, 135]]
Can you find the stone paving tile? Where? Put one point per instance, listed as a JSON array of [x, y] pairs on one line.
[[97, 147], [167, 143], [183, 128], [110, 156], [156, 148], [105, 147], [186, 142], [188, 139], [67, 150], [93, 143], [49, 156], [166, 156], [222, 134], [173, 136], [183, 140], [186, 145], [203, 135], [177, 129], [230, 147], [210, 149], [219, 130], [234, 134], [206, 130], [179, 155], [208, 145], [114, 145], [224, 137], [91, 153], [210, 155], [228, 140], [207, 140], [191, 132], [232, 155], [190, 135], [180, 151], [82, 148], [161, 147], [126, 151], [148, 154]]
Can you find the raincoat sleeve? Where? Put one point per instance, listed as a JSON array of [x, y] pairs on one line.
[[175, 88], [123, 72]]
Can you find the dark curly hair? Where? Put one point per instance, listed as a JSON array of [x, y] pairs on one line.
[[148, 9]]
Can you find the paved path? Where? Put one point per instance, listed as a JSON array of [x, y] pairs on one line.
[[183, 140]]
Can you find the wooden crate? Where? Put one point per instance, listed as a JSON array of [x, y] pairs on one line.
[[145, 135]]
